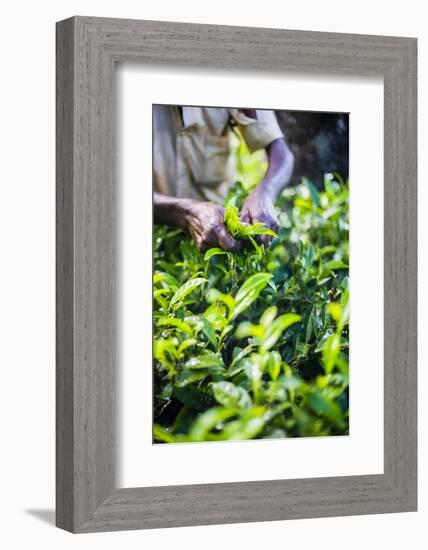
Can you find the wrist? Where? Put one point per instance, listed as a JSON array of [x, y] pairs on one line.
[[266, 190], [170, 210]]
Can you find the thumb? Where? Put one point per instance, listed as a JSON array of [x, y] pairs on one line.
[[225, 239]]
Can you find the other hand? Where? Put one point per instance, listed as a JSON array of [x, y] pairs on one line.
[[205, 222], [259, 208]]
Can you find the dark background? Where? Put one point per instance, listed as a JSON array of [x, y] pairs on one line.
[[319, 141]]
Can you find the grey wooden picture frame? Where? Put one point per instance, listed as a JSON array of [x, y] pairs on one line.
[[87, 51]]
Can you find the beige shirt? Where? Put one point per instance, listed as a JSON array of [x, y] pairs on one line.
[[192, 153]]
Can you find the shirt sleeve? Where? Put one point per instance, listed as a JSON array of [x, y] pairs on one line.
[[258, 132]]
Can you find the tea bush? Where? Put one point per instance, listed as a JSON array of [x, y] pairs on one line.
[[255, 344]]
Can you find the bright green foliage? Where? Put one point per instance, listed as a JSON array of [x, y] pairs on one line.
[[244, 232], [255, 344]]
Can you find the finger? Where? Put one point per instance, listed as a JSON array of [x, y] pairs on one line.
[[225, 239], [245, 217], [205, 244], [202, 246], [269, 224], [275, 226], [210, 238], [207, 240], [265, 239]]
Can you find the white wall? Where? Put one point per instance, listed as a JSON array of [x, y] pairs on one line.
[[27, 271]]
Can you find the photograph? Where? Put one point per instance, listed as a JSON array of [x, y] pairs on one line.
[[250, 274]]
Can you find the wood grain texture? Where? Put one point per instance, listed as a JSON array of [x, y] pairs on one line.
[[87, 50], [64, 276]]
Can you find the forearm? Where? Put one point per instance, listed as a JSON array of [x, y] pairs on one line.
[[204, 220], [280, 169], [169, 210]]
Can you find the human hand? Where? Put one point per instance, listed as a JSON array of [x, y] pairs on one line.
[[205, 222], [259, 208]]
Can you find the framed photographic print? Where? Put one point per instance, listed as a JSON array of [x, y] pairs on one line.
[[236, 274]]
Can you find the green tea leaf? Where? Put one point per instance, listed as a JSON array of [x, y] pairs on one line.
[[248, 426], [177, 323], [187, 376], [232, 221], [335, 311], [309, 323], [324, 406], [274, 365], [331, 350], [215, 295], [209, 331], [204, 361], [186, 344], [170, 280], [229, 395], [185, 290], [241, 354], [162, 435], [216, 315], [274, 332], [193, 397], [334, 265], [268, 316], [249, 291], [259, 229], [246, 329], [214, 252], [209, 420]]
